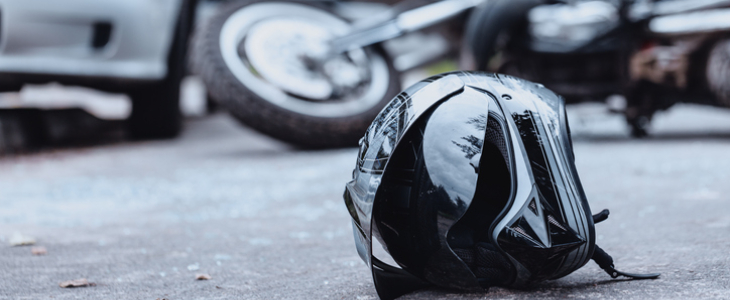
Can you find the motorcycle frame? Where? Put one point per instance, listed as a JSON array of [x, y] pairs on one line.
[[398, 24]]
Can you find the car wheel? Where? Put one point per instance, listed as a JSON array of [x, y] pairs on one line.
[[718, 71], [156, 107]]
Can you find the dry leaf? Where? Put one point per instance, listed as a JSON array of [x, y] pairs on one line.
[[76, 283], [40, 250], [21, 240], [202, 277]]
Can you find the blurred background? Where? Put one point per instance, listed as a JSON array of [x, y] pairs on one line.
[[315, 73], [145, 141]]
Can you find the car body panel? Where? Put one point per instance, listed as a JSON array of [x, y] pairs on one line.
[[49, 37]]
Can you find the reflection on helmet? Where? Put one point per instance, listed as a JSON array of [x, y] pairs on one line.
[[466, 181]]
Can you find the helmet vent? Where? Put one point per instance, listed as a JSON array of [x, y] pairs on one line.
[[533, 206], [555, 223], [521, 231], [495, 135]]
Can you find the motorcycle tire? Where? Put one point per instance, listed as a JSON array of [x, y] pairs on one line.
[[718, 71], [491, 25], [220, 57]]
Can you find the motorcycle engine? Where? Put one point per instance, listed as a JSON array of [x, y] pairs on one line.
[[565, 27]]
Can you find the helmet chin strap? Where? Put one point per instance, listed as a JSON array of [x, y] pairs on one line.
[[605, 261]]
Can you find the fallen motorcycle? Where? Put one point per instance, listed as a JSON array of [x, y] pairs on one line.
[[307, 72], [652, 53]]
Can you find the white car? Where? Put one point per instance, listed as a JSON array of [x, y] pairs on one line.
[[137, 47]]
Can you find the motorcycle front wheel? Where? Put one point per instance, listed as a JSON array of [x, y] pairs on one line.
[[256, 58]]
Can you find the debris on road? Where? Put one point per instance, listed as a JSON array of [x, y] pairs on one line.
[[19, 239], [40, 250], [202, 277], [83, 282]]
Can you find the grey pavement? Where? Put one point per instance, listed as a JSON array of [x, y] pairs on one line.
[[266, 220]]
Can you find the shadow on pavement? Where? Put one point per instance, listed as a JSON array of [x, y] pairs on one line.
[[663, 137], [555, 290], [32, 130]]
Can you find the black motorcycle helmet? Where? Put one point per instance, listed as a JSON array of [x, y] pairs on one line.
[[467, 180]]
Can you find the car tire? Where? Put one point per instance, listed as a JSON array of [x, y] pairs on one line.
[[156, 107], [718, 71]]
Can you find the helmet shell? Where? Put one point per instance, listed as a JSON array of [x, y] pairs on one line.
[[474, 159]]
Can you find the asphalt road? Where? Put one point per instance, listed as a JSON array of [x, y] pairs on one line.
[[266, 221]]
